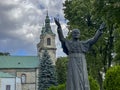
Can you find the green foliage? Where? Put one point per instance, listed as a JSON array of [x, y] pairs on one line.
[[87, 15], [47, 75], [4, 54], [80, 14], [61, 66], [112, 79], [59, 87], [109, 10], [117, 45], [93, 84]]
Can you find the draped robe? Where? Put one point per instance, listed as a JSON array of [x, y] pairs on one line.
[[77, 76]]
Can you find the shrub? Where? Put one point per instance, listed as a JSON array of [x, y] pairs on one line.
[[59, 87], [93, 85], [112, 79]]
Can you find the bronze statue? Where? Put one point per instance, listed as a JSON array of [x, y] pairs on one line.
[[77, 77]]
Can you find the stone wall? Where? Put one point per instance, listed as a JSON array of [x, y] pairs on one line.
[[28, 87], [50, 48], [30, 76], [30, 83]]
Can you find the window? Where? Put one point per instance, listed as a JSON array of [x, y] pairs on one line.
[[48, 41], [7, 87], [23, 78]]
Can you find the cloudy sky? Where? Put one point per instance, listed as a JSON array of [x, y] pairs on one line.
[[21, 22]]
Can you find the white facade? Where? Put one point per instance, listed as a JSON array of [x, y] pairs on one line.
[[12, 83], [18, 84]]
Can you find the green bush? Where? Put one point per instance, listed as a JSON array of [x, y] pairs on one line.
[[112, 79], [59, 87], [93, 85]]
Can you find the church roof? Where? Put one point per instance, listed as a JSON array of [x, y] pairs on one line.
[[6, 75], [19, 62]]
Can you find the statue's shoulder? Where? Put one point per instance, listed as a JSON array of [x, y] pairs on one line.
[[68, 42]]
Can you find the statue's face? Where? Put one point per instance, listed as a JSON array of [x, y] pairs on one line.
[[75, 33]]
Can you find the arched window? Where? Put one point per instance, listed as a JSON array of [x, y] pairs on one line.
[[23, 78], [48, 41]]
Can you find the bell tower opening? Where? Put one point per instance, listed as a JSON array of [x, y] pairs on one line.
[[48, 41]]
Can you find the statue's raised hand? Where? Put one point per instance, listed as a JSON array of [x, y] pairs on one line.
[[57, 22], [102, 26]]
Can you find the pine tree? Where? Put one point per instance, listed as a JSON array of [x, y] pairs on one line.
[[47, 76]]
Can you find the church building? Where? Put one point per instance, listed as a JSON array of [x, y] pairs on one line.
[[21, 72]]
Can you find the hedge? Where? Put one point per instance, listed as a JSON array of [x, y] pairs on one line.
[[93, 85], [112, 79]]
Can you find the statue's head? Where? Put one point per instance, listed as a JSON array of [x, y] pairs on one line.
[[75, 33]]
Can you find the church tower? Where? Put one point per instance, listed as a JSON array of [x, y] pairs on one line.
[[47, 41]]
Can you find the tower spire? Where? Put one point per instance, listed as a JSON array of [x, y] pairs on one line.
[[47, 24], [47, 40], [43, 29], [47, 12]]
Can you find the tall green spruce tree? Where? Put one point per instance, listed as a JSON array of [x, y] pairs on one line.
[[47, 76]]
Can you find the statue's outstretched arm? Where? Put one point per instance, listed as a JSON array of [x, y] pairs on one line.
[[97, 34], [59, 30]]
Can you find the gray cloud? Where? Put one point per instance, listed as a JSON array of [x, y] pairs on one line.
[[21, 22]]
